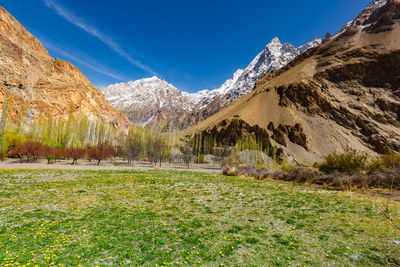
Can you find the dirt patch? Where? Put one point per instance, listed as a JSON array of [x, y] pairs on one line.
[[117, 165]]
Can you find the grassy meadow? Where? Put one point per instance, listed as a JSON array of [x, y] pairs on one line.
[[171, 218]]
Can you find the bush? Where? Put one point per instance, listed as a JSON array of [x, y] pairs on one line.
[[75, 153], [229, 171], [11, 139], [247, 170], [379, 180], [59, 153], [30, 150], [390, 161], [242, 170], [50, 154], [263, 173], [342, 171], [301, 175], [350, 161], [19, 151], [375, 164], [100, 152], [201, 159]]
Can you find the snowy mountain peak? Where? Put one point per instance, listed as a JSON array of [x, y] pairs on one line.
[[138, 87], [274, 46], [152, 82], [362, 19], [275, 41], [153, 99], [153, 79], [311, 44]]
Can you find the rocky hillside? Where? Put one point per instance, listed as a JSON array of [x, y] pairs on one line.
[[153, 100], [344, 92], [48, 85]]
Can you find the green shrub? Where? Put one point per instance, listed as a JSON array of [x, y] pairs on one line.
[[350, 161], [201, 159], [10, 140], [288, 167], [375, 164], [384, 162], [390, 161]]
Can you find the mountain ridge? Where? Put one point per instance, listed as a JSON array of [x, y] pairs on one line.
[[345, 92], [49, 86], [142, 105]]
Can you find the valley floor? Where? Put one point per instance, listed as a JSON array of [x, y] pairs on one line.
[[106, 165], [161, 218]]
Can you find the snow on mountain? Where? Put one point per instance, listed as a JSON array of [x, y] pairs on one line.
[[151, 100], [274, 56], [151, 91], [144, 100], [362, 19], [311, 44]]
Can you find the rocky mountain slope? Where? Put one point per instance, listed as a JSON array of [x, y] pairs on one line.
[[346, 92], [48, 85], [149, 100], [153, 100]]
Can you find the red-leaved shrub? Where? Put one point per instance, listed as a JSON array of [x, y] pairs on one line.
[[59, 153], [75, 153], [31, 150], [100, 152]]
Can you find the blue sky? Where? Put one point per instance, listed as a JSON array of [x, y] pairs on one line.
[[193, 44]]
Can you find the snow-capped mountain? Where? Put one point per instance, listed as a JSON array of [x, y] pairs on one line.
[[149, 100], [153, 100], [274, 56]]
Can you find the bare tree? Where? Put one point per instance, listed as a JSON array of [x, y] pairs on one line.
[[221, 154], [132, 147], [188, 151], [158, 149]]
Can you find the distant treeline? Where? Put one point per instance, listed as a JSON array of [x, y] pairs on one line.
[[78, 137]]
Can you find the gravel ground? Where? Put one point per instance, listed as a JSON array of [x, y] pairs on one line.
[[106, 165]]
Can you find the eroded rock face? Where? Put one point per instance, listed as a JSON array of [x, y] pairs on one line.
[[48, 85], [365, 108], [295, 134], [383, 19], [228, 132], [343, 93]]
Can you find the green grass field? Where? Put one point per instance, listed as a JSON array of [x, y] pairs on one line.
[[168, 218]]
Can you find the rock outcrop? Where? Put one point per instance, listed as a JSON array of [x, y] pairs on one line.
[[343, 93], [47, 85]]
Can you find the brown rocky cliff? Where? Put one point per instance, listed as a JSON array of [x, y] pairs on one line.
[[49, 85], [344, 93]]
